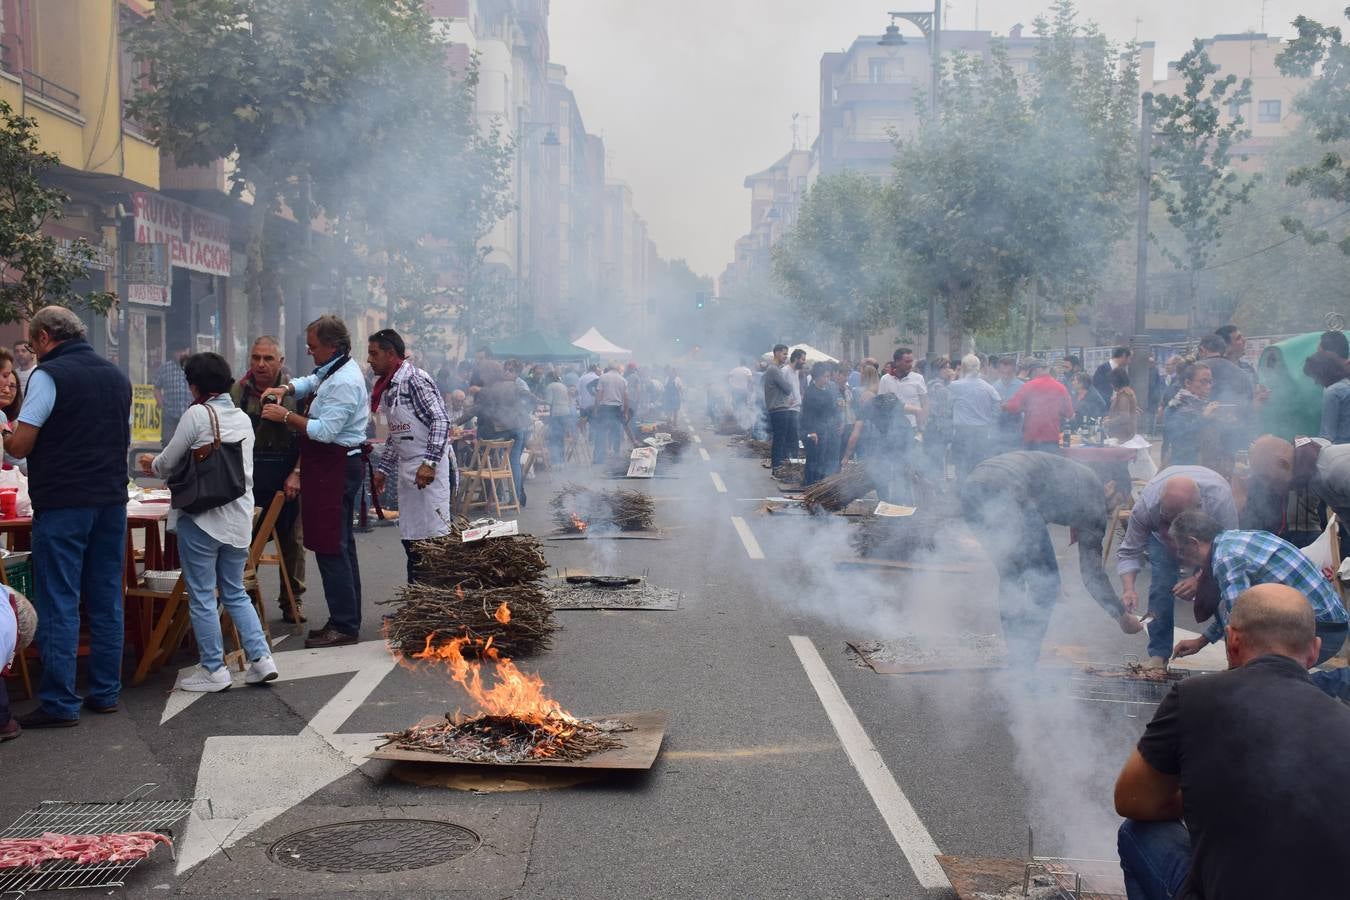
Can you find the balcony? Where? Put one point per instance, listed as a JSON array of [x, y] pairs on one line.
[[36, 85], [869, 92]]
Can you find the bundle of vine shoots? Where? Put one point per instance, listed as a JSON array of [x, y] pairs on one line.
[[507, 740], [839, 490], [730, 425], [451, 612], [577, 509], [679, 442], [493, 562], [790, 473]]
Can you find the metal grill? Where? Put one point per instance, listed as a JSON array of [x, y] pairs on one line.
[[1124, 687], [1074, 879], [374, 845], [132, 813]]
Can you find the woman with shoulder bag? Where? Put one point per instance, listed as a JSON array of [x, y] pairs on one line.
[[213, 542]]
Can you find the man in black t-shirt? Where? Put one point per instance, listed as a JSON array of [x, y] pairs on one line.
[[1248, 759]]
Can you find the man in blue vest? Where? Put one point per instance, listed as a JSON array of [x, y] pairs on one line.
[[75, 432]]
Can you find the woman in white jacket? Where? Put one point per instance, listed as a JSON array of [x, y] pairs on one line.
[[213, 544]]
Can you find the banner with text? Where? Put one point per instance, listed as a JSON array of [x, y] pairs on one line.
[[197, 240], [144, 414]]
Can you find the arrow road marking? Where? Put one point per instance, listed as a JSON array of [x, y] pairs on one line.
[[252, 779]]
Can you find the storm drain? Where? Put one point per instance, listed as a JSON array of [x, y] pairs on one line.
[[374, 845]]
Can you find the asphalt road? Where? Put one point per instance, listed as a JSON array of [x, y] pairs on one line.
[[788, 769]]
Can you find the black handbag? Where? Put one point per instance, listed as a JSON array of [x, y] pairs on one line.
[[211, 475]]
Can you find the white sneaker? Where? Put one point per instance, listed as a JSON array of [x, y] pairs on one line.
[[203, 682], [260, 671]]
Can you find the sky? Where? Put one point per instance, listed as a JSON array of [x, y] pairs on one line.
[[691, 97]]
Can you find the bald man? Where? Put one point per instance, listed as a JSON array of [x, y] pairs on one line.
[[1173, 491], [1271, 498], [1241, 757]]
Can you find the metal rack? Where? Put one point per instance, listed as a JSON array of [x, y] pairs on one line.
[[1075, 879], [1136, 696], [132, 813]]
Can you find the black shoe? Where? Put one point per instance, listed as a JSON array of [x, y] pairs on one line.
[[102, 709], [10, 730], [288, 618], [40, 718], [315, 632], [330, 637]]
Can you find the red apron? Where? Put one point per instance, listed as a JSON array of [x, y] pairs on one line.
[[323, 478]]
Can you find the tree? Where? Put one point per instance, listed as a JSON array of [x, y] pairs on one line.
[[1077, 167], [950, 211], [1192, 155], [833, 264], [258, 82], [1320, 51], [34, 270]]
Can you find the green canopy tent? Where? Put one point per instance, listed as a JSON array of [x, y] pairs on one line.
[[534, 346], [1295, 404]]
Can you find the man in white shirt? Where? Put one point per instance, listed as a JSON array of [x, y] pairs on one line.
[[586, 391], [611, 411], [740, 380], [908, 386]]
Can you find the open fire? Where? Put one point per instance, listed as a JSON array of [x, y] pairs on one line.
[[517, 721]]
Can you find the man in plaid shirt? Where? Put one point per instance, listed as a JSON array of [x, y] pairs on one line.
[[417, 449], [1237, 560]]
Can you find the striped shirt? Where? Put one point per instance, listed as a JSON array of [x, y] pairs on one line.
[[1246, 558], [413, 387]]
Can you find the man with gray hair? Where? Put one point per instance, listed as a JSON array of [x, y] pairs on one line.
[[332, 431], [75, 432], [1231, 772]]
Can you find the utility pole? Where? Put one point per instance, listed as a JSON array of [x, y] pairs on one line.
[[1139, 374]]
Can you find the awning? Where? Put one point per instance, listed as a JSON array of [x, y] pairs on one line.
[[534, 346], [812, 354], [595, 342]]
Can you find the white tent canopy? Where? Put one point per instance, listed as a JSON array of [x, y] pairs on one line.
[[812, 354], [595, 342]]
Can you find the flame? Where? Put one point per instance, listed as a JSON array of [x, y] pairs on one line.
[[516, 694], [578, 523], [503, 614]]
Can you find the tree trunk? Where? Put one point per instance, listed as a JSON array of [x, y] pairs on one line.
[[255, 282], [955, 300], [1031, 319]]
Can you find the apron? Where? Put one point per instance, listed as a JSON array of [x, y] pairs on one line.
[[422, 513], [323, 484]]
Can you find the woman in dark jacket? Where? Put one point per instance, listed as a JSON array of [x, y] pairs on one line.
[[1087, 400], [820, 422]]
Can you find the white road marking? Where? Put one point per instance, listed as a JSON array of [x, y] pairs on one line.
[[718, 483], [697, 439], [252, 779], [909, 832], [747, 538], [703, 452]]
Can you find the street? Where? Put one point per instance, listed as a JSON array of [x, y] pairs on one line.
[[788, 768]]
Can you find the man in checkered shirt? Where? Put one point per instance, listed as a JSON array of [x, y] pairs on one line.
[[1237, 560]]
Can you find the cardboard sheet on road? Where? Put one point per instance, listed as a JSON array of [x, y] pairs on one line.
[[641, 745]]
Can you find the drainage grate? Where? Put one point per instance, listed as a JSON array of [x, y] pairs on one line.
[[374, 845]]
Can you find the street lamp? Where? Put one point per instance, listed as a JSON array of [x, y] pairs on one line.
[[550, 139], [930, 23]]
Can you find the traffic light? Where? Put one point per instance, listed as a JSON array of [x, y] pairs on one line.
[[701, 299]]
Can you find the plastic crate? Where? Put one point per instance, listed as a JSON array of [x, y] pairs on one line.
[[19, 574]]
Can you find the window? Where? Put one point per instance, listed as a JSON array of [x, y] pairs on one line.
[[801, 183], [1235, 109], [876, 71], [1268, 111]]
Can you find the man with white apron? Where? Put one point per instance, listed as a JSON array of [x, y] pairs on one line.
[[418, 444]]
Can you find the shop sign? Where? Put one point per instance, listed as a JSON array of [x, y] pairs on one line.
[[196, 239], [144, 414], [100, 256], [145, 269]]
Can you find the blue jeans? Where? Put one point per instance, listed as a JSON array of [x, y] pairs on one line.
[[1166, 572], [606, 431], [207, 565], [1334, 682], [782, 424], [1155, 858], [79, 550], [341, 573]]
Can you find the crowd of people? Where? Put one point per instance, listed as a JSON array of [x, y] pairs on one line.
[[1235, 523]]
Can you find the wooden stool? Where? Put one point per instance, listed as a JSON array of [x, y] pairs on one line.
[[267, 531], [483, 482]]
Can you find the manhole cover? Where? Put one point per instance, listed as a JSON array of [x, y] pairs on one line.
[[374, 845]]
